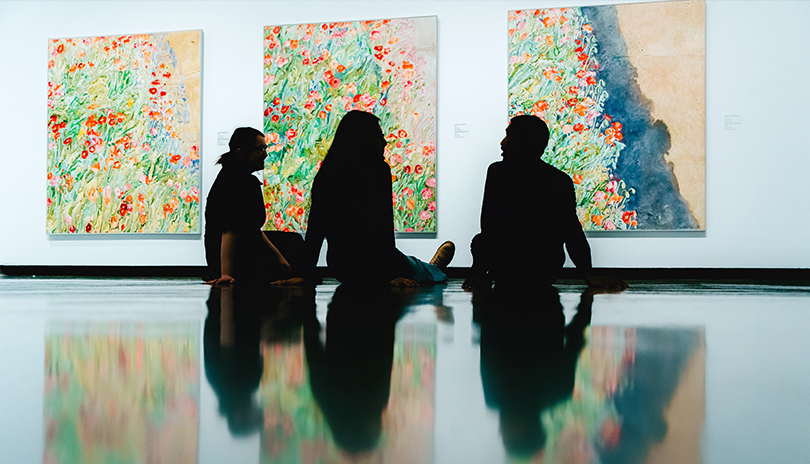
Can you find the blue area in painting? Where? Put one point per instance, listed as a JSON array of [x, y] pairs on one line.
[[658, 201]]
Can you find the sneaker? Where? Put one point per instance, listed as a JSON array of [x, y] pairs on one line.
[[444, 254]]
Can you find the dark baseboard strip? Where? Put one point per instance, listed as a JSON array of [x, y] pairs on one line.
[[700, 274]]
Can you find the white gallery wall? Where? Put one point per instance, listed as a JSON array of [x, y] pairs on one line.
[[757, 67]]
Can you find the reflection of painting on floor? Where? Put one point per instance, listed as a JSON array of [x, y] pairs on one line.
[[638, 397], [622, 88], [296, 431], [122, 392], [124, 134], [313, 75]]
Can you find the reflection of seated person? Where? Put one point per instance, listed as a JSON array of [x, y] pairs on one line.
[[527, 215], [350, 375], [238, 320], [528, 359]]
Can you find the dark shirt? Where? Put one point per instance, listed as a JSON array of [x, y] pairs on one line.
[[528, 213], [354, 213], [236, 203]]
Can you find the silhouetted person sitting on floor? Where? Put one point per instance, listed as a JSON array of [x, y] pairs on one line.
[[528, 213], [235, 246], [354, 181]]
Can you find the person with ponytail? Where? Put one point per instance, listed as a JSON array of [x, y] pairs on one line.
[[236, 248]]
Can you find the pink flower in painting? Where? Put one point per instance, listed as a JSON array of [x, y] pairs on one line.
[[609, 225], [281, 61], [611, 186], [599, 196], [154, 131], [375, 35], [431, 182], [368, 100], [407, 191], [310, 105], [279, 221], [68, 219], [424, 215], [567, 129], [514, 59], [409, 229], [351, 87], [427, 193], [53, 182], [432, 206], [273, 138], [127, 186], [398, 157]]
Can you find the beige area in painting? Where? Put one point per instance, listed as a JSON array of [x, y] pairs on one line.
[[666, 43], [188, 50], [685, 416]]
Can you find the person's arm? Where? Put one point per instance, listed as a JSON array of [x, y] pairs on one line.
[[578, 248], [575, 241], [227, 252], [313, 241], [281, 260]]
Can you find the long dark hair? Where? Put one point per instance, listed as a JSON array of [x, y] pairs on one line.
[[354, 143]]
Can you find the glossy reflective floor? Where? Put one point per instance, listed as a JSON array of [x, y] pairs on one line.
[[169, 371]]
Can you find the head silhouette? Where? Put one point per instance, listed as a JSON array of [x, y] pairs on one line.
[[526, 136], [358, 140], [247, 149]]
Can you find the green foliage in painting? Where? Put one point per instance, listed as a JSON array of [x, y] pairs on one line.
[[123, 134], [314, 74]]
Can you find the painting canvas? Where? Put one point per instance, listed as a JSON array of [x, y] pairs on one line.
[[622, 88], [313, 75], [122, 392], [124, 134]]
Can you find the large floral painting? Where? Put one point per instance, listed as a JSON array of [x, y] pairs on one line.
[[316, 73], [622, 88], [124, 134]]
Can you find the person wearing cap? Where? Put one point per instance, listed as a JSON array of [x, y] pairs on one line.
[[236, 248], [532, 204]]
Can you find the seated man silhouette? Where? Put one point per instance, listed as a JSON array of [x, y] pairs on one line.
[[528, 213]]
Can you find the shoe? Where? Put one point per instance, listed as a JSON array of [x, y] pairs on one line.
[[444, 254]]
